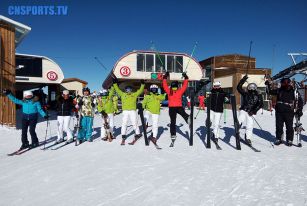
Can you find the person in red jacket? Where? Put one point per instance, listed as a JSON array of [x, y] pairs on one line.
[[175, 101], [201, 99]]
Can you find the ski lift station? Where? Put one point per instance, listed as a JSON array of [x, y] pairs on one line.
[[151, 65]]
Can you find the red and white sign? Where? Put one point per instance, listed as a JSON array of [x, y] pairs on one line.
[[125, 71], [52, 76]]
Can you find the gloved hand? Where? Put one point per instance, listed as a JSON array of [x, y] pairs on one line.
[[244, 78], [115, 80], [46, 116], [299, 113], [93, 104], [184, 75], [142, 81], [166, 75], [6, 92], [80, 103], [104, 114]]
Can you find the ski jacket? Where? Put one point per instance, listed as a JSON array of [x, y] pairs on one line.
[[87, 104], [251, 101], [30, 107], [105, 104], [64, 107], [175, 96], [129, 100], [218, 97], [152, 102], [286, 100]]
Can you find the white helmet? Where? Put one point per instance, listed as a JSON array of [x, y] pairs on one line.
[[252, 86], [65, 92], [217, 84], [104, 92], [27, 93], [154, 88]]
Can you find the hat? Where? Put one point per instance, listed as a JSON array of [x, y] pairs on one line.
[[174, 84], [65, 92], [86, 89], [27, 93], [217, 84]]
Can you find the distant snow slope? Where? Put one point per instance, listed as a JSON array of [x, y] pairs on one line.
[[103, 173]]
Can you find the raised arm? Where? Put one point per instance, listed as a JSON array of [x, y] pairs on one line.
[[111, 93], [117, 89], [165, 86], [140, 90], [184, 86], [240, 84], [14, 99]]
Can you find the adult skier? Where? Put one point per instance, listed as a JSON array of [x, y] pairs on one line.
[[251, 102], [64, 107], [152, 106], [287, 98], [218, 98], [201, 99], [175, 101], [86, 105], [30, 109], [106, 109], [129, 100]]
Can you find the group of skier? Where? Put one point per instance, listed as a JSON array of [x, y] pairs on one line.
[[289, 104]]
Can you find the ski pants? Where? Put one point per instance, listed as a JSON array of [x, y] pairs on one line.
[[286, 118], [133, 118], [202, 105], [86, 129], [63, 124], [173, 115], [110, 120], [249, 123], [215, 118], [154, 119], [28, 123]]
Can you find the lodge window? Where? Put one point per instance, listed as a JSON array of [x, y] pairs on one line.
[[149, 62], [160, 63], [140, 62], [179, 64], [170, 63]]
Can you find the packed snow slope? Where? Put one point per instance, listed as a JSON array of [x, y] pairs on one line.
[[102, 173]]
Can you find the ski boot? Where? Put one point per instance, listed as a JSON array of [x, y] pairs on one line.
[[104, 138], [247, 140], [289, 143], [277, 142], [33, 145], [68, 141], [214, 139], [153, 139], [24, 146], [123, 140], [90, 140]]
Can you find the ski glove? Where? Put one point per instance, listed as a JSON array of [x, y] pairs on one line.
[[80, 103], [142, 81], [6, 92], [166, 75], [184, 75], [244, 78], [104, 114], [299, 113]]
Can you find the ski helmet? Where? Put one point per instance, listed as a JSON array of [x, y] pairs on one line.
[[251, 87], [86, 89], [65, 92], [27, 93], [154, 88], [104, 93], [217, 84], [174, 84], [128, 89]]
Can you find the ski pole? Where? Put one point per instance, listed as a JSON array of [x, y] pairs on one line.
[[224, 114], [261, 129], [195, 45], [46, 132], [249, 55], [197, 114]]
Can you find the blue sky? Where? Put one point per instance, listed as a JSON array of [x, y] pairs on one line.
[[109, 29]]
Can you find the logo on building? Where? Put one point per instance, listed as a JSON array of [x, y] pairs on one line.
[[52, 76], [125, 71]]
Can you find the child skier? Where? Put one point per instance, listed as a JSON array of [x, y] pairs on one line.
[[175, 101], [30, 109], [287, 97], [86, 105], [152, 105], [251, 103], [218, 97], [64, 107], [129, 100], [105, 107]]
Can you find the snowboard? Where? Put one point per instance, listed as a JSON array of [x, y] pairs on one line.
[[235, 121]]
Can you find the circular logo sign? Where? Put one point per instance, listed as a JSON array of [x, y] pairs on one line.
[[125, 71], [52, 76]]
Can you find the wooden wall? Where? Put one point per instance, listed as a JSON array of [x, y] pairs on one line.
[[7, 74]]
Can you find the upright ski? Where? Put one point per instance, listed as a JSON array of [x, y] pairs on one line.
[[191, 119], [140, 108], [235, 121], [298, 128], [208, 121]]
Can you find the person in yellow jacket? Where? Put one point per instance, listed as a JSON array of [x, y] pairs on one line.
[[106, 109], [151, 105], [129, 100]]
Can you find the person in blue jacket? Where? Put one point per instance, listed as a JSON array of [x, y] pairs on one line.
[[30, 109]]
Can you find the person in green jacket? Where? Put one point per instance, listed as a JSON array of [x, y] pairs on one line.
[[151, 105], [106, 109], [129, 100], [115, 104]]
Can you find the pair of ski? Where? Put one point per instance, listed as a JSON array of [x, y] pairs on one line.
[[237, 126], [22, 151]]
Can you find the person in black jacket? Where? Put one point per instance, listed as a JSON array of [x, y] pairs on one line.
[[287, 98], [64, 108], [251, 102], [218, 97]]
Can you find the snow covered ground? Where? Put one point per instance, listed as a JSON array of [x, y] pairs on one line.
[[103, 173]]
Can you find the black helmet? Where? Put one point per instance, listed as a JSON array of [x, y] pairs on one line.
[[128, 89], [174, 84], [86, 89], [285, 82]]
